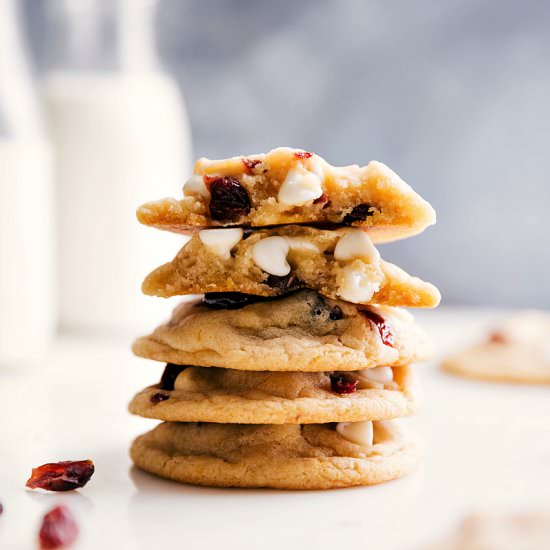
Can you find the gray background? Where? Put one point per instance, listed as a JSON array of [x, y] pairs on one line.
[[454, 95]]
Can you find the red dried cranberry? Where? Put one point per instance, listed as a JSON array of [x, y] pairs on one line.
[[251, 164], [158, 397], [171, 372], [58, 529], [341, 384], [381, 324], [61, 476], [359, 213], [336, 313], [229, 200], [497, 337], [229, 300], [322, 200], [303, 154], [286, 282], [1, 508]]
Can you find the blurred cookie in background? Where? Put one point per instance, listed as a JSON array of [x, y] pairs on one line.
[[518, 350], [492, 531]]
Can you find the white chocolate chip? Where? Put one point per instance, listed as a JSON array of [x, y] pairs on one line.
[[298, 243], [355, 286], [221, 241], [270, 255], [195, 186], [383, 375], [356, 244], [361, 433], [300, 186]]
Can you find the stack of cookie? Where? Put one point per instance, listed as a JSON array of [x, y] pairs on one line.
[[292, 367]]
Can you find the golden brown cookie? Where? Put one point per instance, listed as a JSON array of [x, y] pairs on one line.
[[340, 263], [291, 186], [517, 351], [288, 456], [299, 332], [199, 394]]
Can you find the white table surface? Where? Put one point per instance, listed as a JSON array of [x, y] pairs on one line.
[[486, 446]]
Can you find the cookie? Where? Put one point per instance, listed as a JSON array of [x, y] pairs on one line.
[[340, 263], [201, 394], [493, 531], [517, 351], [287, 456], [290, 186], [300, 332]]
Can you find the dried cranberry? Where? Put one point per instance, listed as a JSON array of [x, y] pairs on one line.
[[286, 282], [381, 324], [229, 200], [359, 213], [168, 378], [341, 384], [322, 200], [58, 529], [61, 476], [229, 300], [497, 337], [158, 397], [336, 313], [251, 164], [1, 508], [303, 154]]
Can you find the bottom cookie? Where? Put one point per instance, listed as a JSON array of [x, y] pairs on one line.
[[288, 456]]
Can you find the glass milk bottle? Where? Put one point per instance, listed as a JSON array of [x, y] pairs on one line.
[[27, 299], [121, 138]]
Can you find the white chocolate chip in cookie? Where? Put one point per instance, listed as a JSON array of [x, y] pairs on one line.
[[382, 375], [355, 286], [361, 433], [300, 186], [221, 241], [270, 255], [195, 186], [356, 244], [298, 243]]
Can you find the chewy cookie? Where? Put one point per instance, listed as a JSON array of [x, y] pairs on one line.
[[302, 331], [289, 456], [198, 394], [340, 263], [291, 186], [517, 351]]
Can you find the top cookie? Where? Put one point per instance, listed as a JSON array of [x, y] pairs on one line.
[[292, 186]]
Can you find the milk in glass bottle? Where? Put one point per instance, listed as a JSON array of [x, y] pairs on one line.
[[121, 138]]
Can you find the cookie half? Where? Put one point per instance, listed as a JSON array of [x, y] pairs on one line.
[[517, 351], [290, 456], [300, 332], [340, 263], [201, 394], [291, 186]]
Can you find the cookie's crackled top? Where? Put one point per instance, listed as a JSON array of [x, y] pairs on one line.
[[302, 331], [198, 394], [518, 350], [341, 263], [287, 456], [292, 186]]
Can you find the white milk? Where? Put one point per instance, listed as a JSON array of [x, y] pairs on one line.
[[120, 139], [27, 299]]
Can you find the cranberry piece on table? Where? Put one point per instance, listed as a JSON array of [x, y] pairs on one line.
[[359, 213], [61, 476], [384, 329], [341, 384], [59, 528], [229, 200]]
